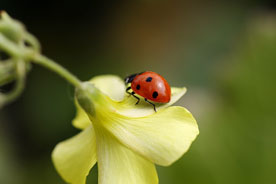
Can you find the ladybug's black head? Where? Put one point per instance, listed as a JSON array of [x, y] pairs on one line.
[[130, 78]]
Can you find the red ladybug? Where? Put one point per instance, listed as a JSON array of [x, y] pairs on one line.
[[149, 85]]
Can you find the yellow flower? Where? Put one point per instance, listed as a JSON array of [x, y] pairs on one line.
[[125, 139]]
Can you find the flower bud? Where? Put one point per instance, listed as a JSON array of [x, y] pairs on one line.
[[15, 31], [11, 28]]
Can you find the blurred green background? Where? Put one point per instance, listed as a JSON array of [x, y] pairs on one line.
[[224, 52]]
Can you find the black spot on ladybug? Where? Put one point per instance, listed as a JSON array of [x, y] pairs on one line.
[[149, 79], [154, 94], [138, 87]]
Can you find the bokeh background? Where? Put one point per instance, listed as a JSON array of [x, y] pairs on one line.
[[224, 52]]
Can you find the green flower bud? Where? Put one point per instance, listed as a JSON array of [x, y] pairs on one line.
[[11, 28], [15, 31]]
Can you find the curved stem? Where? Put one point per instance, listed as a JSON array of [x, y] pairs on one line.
[[9, 47], [19, 85], [19, 52], [50, 64]]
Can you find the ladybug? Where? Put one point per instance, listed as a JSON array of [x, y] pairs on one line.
[[149, 85]]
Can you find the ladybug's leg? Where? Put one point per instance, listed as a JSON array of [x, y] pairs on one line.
[[127, 90], [151, 104], [132, 93], [138, 99]]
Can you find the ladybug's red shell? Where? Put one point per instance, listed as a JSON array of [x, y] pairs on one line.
[[152, 86]]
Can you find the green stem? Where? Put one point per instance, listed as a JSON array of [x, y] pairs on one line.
[[50, 64], [19, 52]]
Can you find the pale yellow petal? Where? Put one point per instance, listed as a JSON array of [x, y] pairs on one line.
[[111, 85], [127, 107], [119, 165], [81, 120], [162, 137], [75, 157]]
